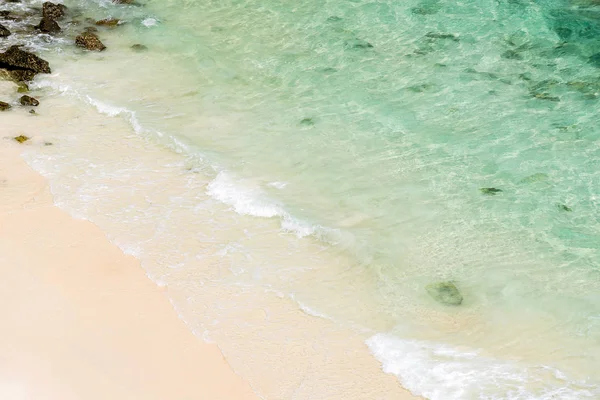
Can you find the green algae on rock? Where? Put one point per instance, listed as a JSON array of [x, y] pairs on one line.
[[445, 292], [21, 138]]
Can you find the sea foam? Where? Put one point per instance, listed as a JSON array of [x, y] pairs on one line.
[[441, 372]]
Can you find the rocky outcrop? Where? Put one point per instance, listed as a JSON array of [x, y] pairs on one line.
[[21, 65], [89, 41], [53, 11], [4, 32], [15, 58], [4, 106], [445, 292], [29, 101], [48, 25]]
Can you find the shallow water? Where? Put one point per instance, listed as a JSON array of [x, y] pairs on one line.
[[333, 153]]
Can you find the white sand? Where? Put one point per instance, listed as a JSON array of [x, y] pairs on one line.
[[80, 320]]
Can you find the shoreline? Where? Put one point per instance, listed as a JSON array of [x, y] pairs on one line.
[[81, 318]]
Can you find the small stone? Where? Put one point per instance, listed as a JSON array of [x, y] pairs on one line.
[[32, 112], [29, 101], [53, 11], [139, 47], [48, 25], [564, 207], [4, 106], [108, 22], [307, 122], [21, 138], [490, 191], [334, 18], [89, 41], [445, 292], [4, 32], [48, 144]]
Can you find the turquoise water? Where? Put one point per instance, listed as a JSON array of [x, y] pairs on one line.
[[369, 128]]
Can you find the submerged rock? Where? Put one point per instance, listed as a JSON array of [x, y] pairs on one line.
[[357, 44], [89, 41], [53, 11], [511, 55], [108, 22], [564, 207], [307, 122], [4, 106], [139, 47], [595, 60], [4, 32], [48, 25], [29, 101], [21, 138], [490, 191], [539, 177], [546, 96], [15, 58], [449, 36], [445, 292]]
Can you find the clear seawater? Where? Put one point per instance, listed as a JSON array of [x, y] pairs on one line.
[[333, 152]]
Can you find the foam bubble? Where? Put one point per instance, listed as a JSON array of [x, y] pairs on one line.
[[441, 372]]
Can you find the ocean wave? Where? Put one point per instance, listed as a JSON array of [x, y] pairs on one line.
[[441, 372]]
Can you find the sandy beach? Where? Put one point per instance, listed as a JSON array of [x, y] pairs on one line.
[[80, 319]]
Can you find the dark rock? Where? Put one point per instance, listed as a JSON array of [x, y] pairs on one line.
[[490, 191], [15, 58], [564, 207], [53, 11], [4, 106], [334, 18], [4, 14], [32, 112], [4, 32], [108, 22], [48, 25], [139, 47], [449, 36], [129, 2], [445, 292], [91, 29], [21, 138], [89, 41], [29, 101]]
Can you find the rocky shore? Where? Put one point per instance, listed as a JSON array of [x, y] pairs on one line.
[[20, 64]]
